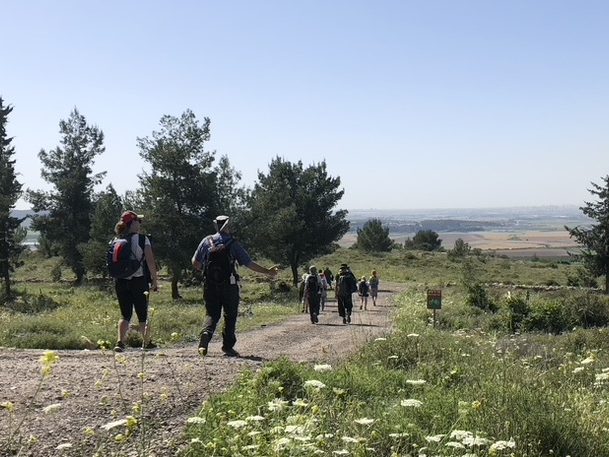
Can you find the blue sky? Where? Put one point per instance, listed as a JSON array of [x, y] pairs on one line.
[[428, 104]]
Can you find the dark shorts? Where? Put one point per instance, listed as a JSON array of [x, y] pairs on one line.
[[130, 293]]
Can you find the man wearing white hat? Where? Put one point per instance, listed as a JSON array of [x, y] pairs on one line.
[[217, 256]]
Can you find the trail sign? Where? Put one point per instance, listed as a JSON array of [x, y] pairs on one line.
[[434, 299]]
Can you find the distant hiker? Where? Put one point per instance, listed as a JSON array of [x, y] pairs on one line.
[[217, 256], [346, 284], [301, 288], [373, 282], [312, 294], [132, 290], [362, 291], [329, 277], [324, 292]]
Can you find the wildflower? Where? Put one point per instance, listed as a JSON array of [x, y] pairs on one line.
[[63, 446], [392, 357], [277, 404], [434, 438], [314, 383], [578, 369], [348, 439], [254, 418], [322, 367], [341, 452], [253, 433], [300, 402], [502, 445], [380, 339], [9, 406], [364, 421], [236, 423], [110, 425], [415, 382], [51, 408], [455, 445], [588, 360], [399, 435], [196, 441], [412, 403], [602, 377], [47, 362], [413, 335], [475, 441], [251, 447], [460, 435], [338, 391], [195, 420], [282, 443]]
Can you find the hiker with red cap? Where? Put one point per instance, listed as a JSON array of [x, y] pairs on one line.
[[132, 290], [217, 257]]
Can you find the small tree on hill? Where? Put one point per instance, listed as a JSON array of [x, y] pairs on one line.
[[11, 235], [595, 240], [424, 240], [373, 237], [69, 205], [461, 249]]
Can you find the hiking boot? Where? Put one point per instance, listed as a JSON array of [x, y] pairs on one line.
[[349, 319], [230, 352], [316, 319], [344, 320], [119, 346], [150, 345], [203, 344]]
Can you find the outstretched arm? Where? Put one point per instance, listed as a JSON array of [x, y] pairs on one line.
[[260, 269]]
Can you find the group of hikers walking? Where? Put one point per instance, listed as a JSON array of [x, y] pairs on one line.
[[314, 291], [131, 262]]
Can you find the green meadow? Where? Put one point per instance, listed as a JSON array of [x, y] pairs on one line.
[[516, 364]]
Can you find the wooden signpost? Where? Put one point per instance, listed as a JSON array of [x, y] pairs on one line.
[[434, 301]]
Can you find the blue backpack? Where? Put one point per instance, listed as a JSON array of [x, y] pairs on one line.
[[120, 258]]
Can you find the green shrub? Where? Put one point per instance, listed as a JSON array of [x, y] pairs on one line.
[[547, 315], [477, 296], [587, 310], [518, 309]]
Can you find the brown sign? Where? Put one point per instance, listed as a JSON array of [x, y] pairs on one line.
[[434, 299]]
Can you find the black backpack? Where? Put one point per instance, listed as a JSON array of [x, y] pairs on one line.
[[219, 265], [346, 284], [313, 285], [121, 260]]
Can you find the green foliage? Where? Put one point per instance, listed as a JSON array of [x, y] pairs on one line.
[[581, 278], [182, 192], [108, 206], [424, 240], [461, 249], [595, 239], [293, 216], [518, 309], [69, 205], [373, 237], [11, 235]]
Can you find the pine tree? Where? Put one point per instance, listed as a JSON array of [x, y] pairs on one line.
[[595, 239], [10, 191], [69, 205], [293, 216], [373, 237]]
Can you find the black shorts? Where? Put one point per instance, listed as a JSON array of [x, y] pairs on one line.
[[130, 293]]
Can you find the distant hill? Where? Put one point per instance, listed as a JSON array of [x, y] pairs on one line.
[[21, 213]]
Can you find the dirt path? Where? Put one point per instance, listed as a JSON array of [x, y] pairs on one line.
[[92, 388]]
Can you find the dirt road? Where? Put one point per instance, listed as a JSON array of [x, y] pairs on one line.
[[93, 388]]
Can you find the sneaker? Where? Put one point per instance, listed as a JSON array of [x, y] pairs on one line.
[[203, 344], [344, 320], [150, 345], [230, 352], [119, 347]]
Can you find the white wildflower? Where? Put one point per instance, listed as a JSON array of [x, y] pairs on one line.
[[460, 434], [434, 438], [413, 335], [399, 435], [254, 418], [455, 444], [314, 383], [380, 339], [63, 446], [282, 443], [237, 423], [251, 447], [253, 433], [195, 420], [587, 360], [277, 404], [415, 382], [578, 369], [602, 377], [411, 402], [300, 403], [322, 367], [348, 439], [196, 441], [502, 445], [364, 421], [341, 452], [475, 441], [295, 429]]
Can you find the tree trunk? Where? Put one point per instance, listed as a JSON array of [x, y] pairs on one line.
[[294, 273], [7, 284], [175, 293], [607, 283]]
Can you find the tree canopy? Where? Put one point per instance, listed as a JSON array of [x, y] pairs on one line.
[[374, 237], [292, 213], [424, 240], [69, 205], [10, 191], [595, 239]]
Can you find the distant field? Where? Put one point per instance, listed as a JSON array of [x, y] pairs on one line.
[[554, 244]]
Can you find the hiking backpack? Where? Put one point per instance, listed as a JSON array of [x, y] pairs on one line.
[[374, 281], [219, 264], [313, 285], [121, 260], [345, 284]]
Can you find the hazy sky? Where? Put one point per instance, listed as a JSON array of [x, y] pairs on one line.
[[426, 104]]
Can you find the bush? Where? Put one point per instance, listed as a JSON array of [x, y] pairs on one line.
[[587, 310], [478, 297], [547, 315], [518, 310]]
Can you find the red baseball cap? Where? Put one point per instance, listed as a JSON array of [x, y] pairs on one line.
[[129, 216]]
